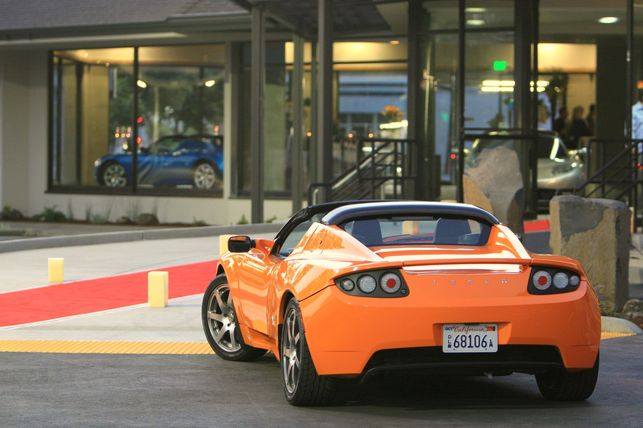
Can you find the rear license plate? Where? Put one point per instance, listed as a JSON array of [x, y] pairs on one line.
[[465, 338]]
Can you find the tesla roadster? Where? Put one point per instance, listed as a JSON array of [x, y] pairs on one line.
[[173, 160], [352, 289]]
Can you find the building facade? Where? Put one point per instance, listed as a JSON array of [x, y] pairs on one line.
[[224, 111]]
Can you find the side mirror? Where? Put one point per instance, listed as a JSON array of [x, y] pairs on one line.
[[240, 244]]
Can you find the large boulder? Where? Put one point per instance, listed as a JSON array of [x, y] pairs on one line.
[[494, 183], [597, 233]]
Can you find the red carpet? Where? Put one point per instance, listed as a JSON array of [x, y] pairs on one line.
[[536, 226], [82, 297]]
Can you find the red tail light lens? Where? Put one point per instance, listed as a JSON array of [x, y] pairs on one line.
[[541, 280], [390, 283]]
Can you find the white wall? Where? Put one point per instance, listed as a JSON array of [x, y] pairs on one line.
[[23, 161], [15, 130]]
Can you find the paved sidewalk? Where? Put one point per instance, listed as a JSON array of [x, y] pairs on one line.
[[27, 269], [179, 322]]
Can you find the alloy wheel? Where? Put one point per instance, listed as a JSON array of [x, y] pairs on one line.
[[114, 175], [291, 352], [222, 320], [204, 176]]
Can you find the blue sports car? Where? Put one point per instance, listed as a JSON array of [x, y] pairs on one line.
[[173, 160]]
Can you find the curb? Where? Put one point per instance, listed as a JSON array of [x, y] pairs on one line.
[[136, 235], [619, 325]]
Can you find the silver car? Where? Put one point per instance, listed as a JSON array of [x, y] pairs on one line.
[[558, 167]]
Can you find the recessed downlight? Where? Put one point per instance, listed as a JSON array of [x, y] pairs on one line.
[[608, 20], [475, 9], [474, 22]]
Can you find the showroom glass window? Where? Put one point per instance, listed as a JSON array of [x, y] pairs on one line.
[[177, 128], [370, 82], [277, 121], [92, 92]]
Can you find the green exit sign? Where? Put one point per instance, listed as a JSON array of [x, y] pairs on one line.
[[500, 66]]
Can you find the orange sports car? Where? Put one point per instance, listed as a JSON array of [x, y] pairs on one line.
[[352, 289]]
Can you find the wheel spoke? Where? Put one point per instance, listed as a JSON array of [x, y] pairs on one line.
[[229, 300], [290, 376], [217, 295], [297, 336], [215, 316], [219, 334], [233, 339], [288, 337], [292, 325]]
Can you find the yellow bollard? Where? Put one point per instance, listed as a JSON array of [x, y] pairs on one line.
[[56, 268], [223, 244], [157, 289]]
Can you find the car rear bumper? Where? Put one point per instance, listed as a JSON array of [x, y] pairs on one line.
[[350, 335]]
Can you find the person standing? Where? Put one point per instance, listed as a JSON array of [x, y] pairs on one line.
[[637, 118], [591, 119], [560, 123], [578, 128]]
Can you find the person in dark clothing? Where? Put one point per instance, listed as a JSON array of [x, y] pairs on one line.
[[578, 128], [591, 119], [560, 123]]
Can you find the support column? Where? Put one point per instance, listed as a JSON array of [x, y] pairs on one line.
[[298, 114], [135, 114], [257, 82], [526, 100], [325, 94], [230, 118], [460, 96], [420, 156]]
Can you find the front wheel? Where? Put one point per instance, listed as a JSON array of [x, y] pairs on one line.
[[220, 324], [113, 175], [302, 385], [561, 385]]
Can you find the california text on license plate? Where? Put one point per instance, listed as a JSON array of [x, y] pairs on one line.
[[462, 338]]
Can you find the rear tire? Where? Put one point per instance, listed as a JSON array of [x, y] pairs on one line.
[[221, 326], [561, 385], [204, 176], [302, 385]]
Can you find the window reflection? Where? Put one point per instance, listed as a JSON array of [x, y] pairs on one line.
[[177, 132]]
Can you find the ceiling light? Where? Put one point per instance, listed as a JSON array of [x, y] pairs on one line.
[[475, 22], [209, 83], [394, 42], [608, 20], [475, 10], [141, 84]]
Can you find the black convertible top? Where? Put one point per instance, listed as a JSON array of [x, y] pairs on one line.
[[344, 213]]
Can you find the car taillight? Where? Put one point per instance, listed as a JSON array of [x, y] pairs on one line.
[[550, 280], [385, 283], [366, 284], [541, 280], [390, 283]]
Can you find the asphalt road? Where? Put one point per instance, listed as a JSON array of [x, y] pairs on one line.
[[121, 390]]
